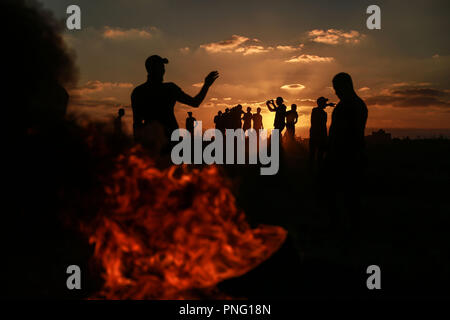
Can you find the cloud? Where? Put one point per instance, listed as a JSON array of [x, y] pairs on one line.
[[225, 45], [335, 36], [121, 34], [290, 48], [198, 84], [363, 89], [412, 97], [94, 86], [429, 92], [96, 93], [253, 50], [245, 46], [293, 87], [307, 58], [185, 50], [307, 102]]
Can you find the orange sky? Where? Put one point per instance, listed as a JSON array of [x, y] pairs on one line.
[[287, 48]]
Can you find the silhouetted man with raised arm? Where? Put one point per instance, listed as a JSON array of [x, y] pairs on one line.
[[154, 100], [346, 149], [280, 113]]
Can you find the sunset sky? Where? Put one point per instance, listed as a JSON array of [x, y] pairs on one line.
[[264, 49]]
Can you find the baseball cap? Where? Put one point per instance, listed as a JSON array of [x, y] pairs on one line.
[[321, 100], [155, 60]]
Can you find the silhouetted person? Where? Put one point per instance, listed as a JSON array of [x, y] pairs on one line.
[[227, 119], [219, 122], [346, 156], [318, 132], [154, 100], [118, 131], [247, 119], [291, 121], [280, 113], [257, 120], [236, 116], [191, 123]]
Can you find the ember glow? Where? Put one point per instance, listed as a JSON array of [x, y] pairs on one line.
[[170, 234]]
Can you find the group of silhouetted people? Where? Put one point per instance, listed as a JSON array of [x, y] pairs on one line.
[[340, 154], [236, 118]]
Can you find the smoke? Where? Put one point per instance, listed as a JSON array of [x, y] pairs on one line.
[[37, 64], [35, 48]]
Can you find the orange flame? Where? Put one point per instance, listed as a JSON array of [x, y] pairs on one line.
[[165, 234]]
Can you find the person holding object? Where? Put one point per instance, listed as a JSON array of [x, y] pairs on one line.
[[280, 113]]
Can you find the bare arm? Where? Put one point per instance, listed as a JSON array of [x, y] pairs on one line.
[[198, 99], [271, 109]]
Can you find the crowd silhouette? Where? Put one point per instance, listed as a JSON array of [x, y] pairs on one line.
[[339, 155]]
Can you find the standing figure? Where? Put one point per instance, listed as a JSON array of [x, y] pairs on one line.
[[291, 121], [191, 123], [346, 157], [318, 132], [280, 113], [153, 102], [118, 131], [219, 122], [237, 117], [247, 119], [257, 120]]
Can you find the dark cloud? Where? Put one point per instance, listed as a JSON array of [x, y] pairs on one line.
[[412, 97], [420, 92]]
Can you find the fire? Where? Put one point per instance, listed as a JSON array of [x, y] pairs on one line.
[[170, 234]]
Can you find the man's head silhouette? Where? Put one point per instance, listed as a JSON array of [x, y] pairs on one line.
[[322, 102], [294, 107], [155, 68], [258, 110], [343, 85], [121, 112], [279, 101], [190, 114], [249, 109]]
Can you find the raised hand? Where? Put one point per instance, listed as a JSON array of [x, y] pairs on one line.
[[211, 77]]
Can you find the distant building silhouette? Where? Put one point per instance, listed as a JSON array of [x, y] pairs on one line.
[[379, 137]]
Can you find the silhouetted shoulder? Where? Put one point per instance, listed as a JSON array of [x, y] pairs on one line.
[[172, 86]]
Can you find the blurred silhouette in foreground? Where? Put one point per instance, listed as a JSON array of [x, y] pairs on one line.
[[291, 121], [153, 102], [318, 132], [346, 157]]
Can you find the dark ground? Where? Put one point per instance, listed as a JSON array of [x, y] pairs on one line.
[[405, 222], [404, 226]]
